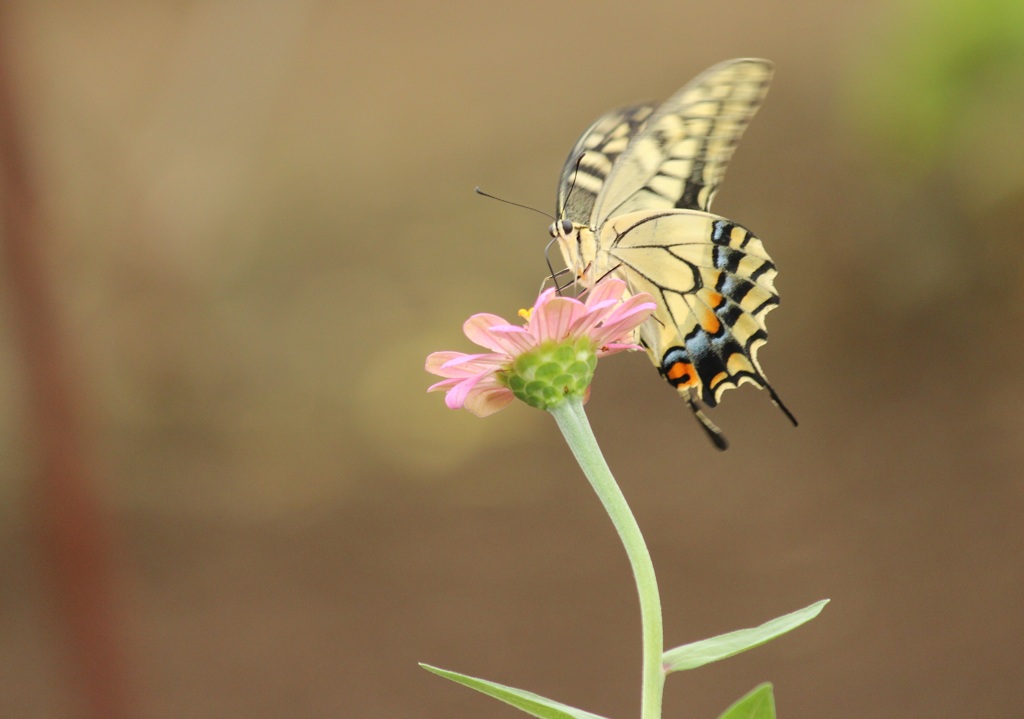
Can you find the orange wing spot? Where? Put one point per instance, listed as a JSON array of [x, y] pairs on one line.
[[715, 300], [681, 374], [710, 323]]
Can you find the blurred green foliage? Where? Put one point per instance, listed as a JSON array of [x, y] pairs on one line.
[[942, 91]]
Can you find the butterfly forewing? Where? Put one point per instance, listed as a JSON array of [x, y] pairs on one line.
[[592, 158], [679, 157]]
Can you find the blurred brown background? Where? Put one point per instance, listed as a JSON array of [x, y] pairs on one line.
[[256, 219]]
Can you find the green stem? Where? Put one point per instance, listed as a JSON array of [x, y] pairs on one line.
[[573, 422]]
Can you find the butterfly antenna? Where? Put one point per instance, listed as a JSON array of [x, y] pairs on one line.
[[514, 204], [713, 432], [778, 403]]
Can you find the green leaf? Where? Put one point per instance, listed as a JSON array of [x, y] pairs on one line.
[[697, 654], [530, 703], [758, 704]]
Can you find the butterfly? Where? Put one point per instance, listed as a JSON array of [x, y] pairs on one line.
[[634, 201]]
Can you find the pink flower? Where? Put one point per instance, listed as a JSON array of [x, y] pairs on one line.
[[549, 358]]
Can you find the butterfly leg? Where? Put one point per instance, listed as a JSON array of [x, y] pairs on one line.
[[554, 279]]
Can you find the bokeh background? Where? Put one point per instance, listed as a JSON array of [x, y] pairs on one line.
[[255, 219]]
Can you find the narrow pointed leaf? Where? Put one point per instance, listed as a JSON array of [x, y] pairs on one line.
[[528, 702], [758, 704], [697, 654]]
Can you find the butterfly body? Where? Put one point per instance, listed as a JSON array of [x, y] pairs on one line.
[[634, 202]]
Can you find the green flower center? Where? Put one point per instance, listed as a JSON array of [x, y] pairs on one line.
[[544, 377]]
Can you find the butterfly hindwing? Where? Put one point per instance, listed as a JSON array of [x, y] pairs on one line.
[[713, 283]]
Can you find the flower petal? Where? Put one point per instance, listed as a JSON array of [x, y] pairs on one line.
[[610, 288], [544, 297], [553, 319], [615, 348], [610, 313], [622, 323], [468, 393], [436, 359], [456, 397], [486, 402], [592, 318], [444, 384], [437, 362], [516, 339], [478, 329], [458, 364]]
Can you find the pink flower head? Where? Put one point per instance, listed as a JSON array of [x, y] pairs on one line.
[[547, 358]]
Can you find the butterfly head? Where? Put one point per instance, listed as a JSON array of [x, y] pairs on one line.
[[561, 228], [570, 238]]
